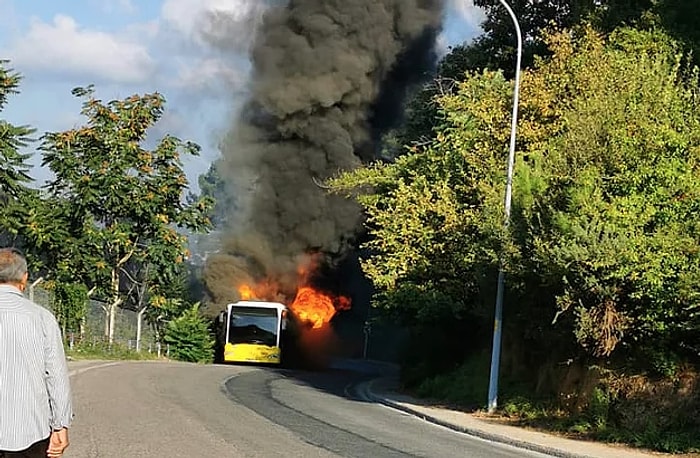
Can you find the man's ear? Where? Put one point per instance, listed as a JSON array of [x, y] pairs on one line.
[[25, 279]]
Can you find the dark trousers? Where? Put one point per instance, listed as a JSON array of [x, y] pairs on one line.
[[36, 450]]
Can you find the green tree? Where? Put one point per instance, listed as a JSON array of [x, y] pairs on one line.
[[213, 186], [189, 337], [13, 164], [26, 214], [610, 187], [679, 17], [168, 300], [70, 305], [433, 215], [602, 239], [496, 48], [117, 202], [14, 177]]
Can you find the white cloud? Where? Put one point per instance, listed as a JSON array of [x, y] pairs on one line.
[[470, 13], [143, 32], [63, 47], [192, 44]]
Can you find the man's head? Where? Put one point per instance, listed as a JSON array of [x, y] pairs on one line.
[[13, 268]]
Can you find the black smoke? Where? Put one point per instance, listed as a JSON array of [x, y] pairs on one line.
[[329, 77]]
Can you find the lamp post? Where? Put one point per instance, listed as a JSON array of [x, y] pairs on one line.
[[498, 318]]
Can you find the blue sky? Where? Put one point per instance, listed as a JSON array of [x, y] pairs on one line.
[[130, 46]]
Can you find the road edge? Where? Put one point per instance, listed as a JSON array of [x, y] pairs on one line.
[[497, 438], [80, 370]]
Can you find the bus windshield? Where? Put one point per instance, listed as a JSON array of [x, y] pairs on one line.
[[257, 325]]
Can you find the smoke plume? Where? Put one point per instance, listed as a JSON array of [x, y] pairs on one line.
[[328, 78]]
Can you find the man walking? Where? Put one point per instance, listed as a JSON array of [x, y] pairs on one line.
[[35, 399]]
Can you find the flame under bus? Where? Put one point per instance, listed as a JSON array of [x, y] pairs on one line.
[[253, 332]]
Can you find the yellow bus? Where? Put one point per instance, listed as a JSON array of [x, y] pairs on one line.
[[252, 332]]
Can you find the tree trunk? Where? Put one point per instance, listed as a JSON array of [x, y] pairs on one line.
[[112, 320]]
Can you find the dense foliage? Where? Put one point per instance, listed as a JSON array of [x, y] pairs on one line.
[[121, 204], [189, 337], [110, 224], [14, 167], [607, 196], [602, 253], [69, 305]]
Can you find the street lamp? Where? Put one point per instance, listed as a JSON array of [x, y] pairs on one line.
[[498, 318]]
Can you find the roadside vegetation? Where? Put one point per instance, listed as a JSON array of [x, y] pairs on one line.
[[189, 337], [101, 350], [113, 222], [602, 309]]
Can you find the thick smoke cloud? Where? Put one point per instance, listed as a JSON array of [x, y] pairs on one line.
[[328, 78]]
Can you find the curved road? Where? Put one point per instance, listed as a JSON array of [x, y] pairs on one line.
[[159, 409]]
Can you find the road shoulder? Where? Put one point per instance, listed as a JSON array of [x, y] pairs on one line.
[[383, 390]]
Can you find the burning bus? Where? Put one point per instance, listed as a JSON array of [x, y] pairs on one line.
[[261, 329], [251, 332]]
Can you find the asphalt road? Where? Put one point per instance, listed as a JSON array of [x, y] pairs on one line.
[[158, 409]]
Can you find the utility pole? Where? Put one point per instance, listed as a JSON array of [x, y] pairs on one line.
[[498, 316]]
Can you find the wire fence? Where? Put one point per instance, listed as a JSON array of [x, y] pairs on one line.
[[94, 330]]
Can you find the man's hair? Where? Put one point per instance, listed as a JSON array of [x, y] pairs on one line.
[[13, 265]]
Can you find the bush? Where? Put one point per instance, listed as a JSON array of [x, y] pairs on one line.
[[466, 386], [189, 337]]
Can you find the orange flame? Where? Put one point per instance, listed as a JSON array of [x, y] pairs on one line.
[[246, 292], [313, 306], [310, 305]]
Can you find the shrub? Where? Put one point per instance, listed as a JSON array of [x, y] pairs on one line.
[[189, 337]]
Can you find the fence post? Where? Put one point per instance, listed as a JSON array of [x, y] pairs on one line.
[[32, 286], [139, 324]]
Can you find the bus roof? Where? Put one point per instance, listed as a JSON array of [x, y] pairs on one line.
[[270, 305]]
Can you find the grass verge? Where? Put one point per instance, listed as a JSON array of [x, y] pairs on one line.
[[644, 415], [106, 351]]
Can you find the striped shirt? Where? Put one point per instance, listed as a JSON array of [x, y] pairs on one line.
[[34, 386]]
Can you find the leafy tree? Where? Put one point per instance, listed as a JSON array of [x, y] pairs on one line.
[[212, 186], [602, 239], [189, 337], [70, 305], [496, 48], [14, 177], [608, 193], [428, 263], [435, 227], [26, 215], [118, 203], [171, 302], [13, 163]]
